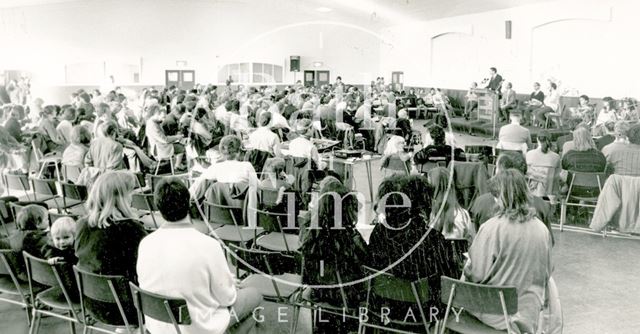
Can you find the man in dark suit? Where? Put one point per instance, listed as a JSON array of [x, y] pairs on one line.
[[495, 82]]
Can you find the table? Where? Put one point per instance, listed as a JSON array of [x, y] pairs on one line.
[[344, 167]]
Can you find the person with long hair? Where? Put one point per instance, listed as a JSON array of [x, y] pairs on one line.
[[447, 216], [402, 237], [543, 166], [333, 252], [107, 240], [512, 249]]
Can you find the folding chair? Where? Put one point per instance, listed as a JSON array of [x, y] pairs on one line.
[[224, 222], [18, 182], [48, 190], [433, 162], [54, 298], [71, 173], [476, 298], [107, 289], [12, 289], [397, 166], [144, 202], [16, 207], [593, 181], [385, 287], [274, 283], [555, 117], [165, 309], [6, 214], [274, 224], [73, 194], [46, 160]]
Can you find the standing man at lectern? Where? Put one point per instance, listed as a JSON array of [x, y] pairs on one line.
[[495, 82]]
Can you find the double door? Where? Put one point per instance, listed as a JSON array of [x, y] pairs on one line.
[[316, 78], [183, 79]]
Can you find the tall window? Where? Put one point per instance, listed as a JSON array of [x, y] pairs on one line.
[[251, 73]]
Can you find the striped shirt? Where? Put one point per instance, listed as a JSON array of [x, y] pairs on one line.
[[625, 160]]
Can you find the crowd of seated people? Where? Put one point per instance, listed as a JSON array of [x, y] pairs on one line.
[[247, 137]]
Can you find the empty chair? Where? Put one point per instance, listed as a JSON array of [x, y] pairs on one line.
[[47, 191], [476, 298], [228, 224], [276, 238], [170, 310], [20, 183]]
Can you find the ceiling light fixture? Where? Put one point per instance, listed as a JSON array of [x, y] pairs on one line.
[[324, 9]]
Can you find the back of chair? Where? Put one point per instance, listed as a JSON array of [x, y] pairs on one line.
[[45, 187], [162, 308], [143, 201], [9, 261], [39, 270], [156, 179], [17, 182], [74, 191], [396, 164], [102, 288], [251, 260], [274, 221], [387, 286], [586, 180], [479, 298], [268, 196], [71, 172], [223, 214]]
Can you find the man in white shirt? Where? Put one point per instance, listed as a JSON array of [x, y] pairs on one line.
[[263, 138], [178, 261], [514, 136], [302, 147]]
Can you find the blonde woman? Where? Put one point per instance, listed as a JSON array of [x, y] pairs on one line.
[[107, 240]]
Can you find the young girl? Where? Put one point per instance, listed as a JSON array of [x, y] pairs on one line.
[[447, 215]]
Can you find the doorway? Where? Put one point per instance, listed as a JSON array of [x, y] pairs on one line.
[[183, 79]]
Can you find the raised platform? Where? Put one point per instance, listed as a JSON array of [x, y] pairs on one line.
[[484, 128]]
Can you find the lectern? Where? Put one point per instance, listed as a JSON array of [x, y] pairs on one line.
[[488, 107]]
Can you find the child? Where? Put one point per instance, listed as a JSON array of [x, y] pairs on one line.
[[60, 252], [32, 222]]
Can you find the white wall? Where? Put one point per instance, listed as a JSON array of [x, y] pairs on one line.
[[590, 47], [126, 35]]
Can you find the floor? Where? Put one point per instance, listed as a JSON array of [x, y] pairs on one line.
[[598, 281]]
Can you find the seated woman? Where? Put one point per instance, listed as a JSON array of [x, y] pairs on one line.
[[551, 104], [74, 154], [333, 254], [438, 148], [472, 100], [584, 112], [394, 148], [46, 126], [543, 167], [107, 241], [447, 216], [583, 156], [512, 249], [399, 228]]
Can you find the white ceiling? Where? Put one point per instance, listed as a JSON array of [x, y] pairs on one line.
[[378, 13]]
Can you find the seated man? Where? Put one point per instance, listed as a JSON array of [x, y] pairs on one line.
[[507, 102], [621, 131], [472, 100], [302, 147], [536, 99], [263, 138], [625, 159], [179, 261], [514, 136], [161, 145]]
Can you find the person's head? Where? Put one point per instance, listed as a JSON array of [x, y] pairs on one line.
[[509, 85], [474, 85], [544, 141], [17, 112], [230, 147], [515, 116], [156, 113], [536, 86], [110, 199], [634, 134], [553, 85], [492, 71], [437, 134], [63, 232], [444, 201], [172, 199], [32, 217], [103, 109], [68, 114], [402, 198], [442, 121], [511, 160], [303, 127], [49, 112], [109, 129], [584, 100], [265, 118], [275, 166], [621, 129], [609, 103], [80, 135], [610, 127], [582, 139], [511, 191], [336, 205]]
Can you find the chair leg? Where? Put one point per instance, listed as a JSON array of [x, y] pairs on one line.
[[72, 325], [563, 214], [157, 167], [171, 164], [294, 323], [35, 322]]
